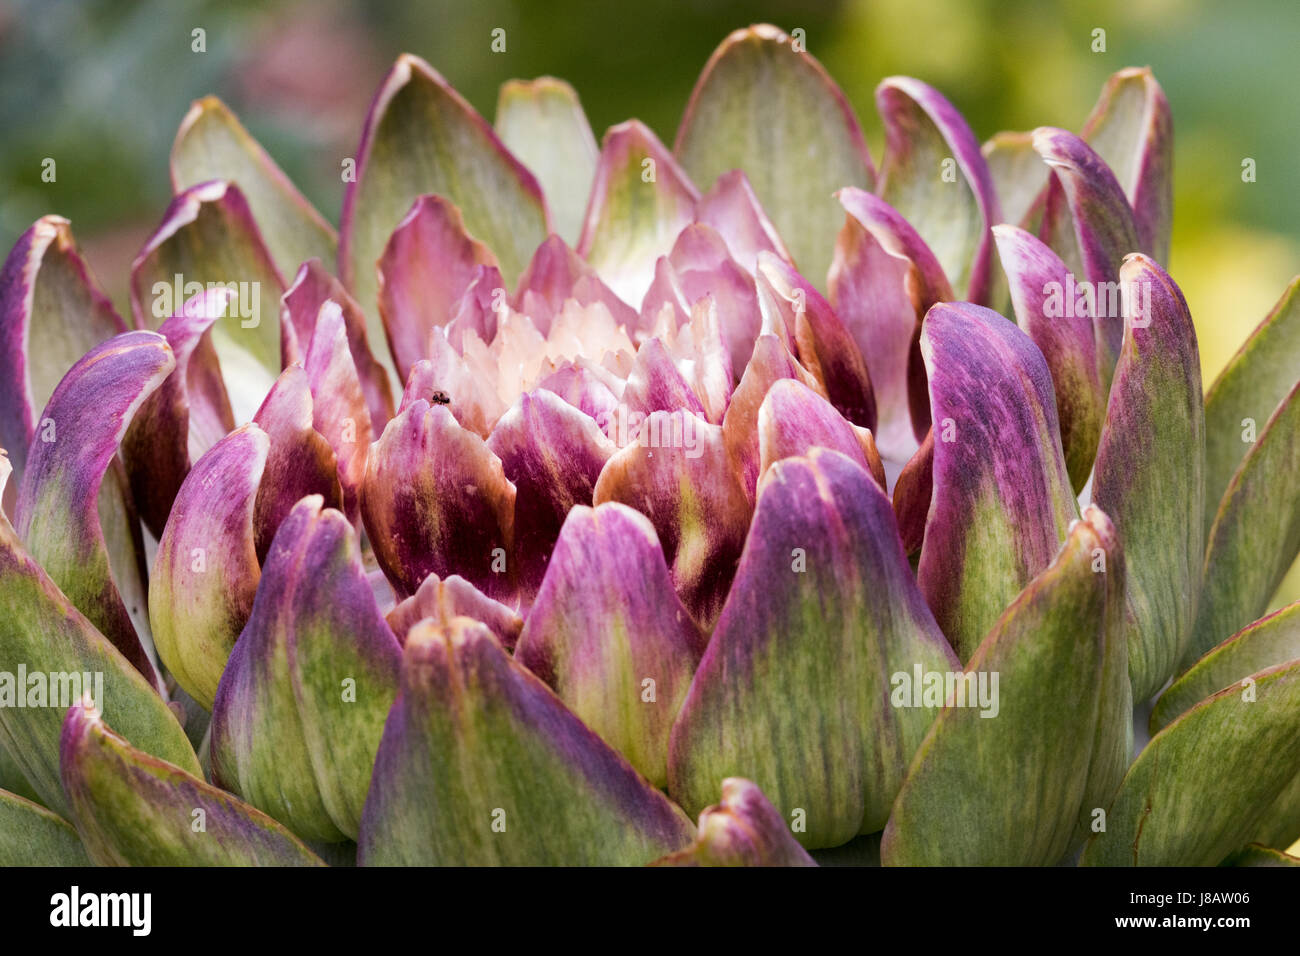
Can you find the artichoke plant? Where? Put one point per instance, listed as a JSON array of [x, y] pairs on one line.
[[716, 505]]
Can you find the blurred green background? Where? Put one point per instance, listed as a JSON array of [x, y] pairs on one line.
[[101, 85]]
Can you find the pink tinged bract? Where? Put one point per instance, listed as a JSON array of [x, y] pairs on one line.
[[339, 412], [56, 511], [678, 473], [923, 281], [732, 209], [665, 297], [772, 361], [743, 829], [701, 356], [610, 635], [557, 273], [478, 308], [444, 599], [640, 201], [656, 384], [436, 501], [868, 290], [427, 264], [584, 389], [794, 419], [926, 142], [206, 572], [693, 338], [703, 266], [447, 378], [1002, 498], [300, 462], [822, 343], [547, 791], [793, 691], [187, 415], [553, 454], [299, 308]]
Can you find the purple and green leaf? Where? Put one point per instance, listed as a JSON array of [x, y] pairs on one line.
[[300, 462], [436, 501], [553, 454], [133, 809], [926, 143], [1150, 470], [206, 571], [444, 599], [57, 513], [481, 764], [1204, 785], [678, 473], [542, 122], [1066, 334], [422, 137], [793, 690], [212, 144], [302, 702], [743, 829], [43, 633], [1088, 222], [764, 105], [610, 635], [1033, 733], [1002, 499]]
